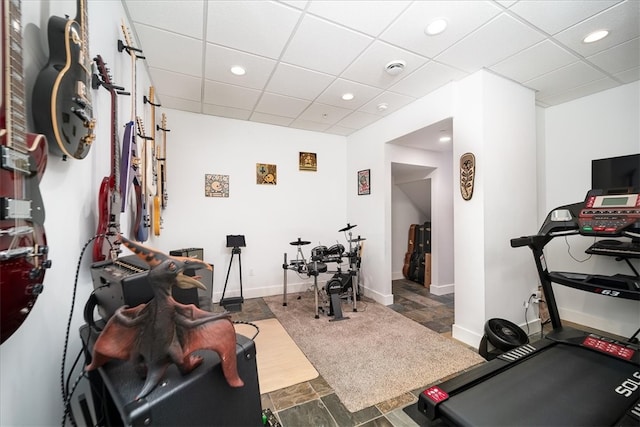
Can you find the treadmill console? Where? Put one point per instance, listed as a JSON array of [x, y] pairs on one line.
[[608, 214]]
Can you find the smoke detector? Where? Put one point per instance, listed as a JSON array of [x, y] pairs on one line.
[[395, 67]]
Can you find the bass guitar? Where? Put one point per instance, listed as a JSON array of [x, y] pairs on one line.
[[107, 244], [62, 109], [23, 244]]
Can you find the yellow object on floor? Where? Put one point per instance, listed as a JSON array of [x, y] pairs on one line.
[[280, 361]]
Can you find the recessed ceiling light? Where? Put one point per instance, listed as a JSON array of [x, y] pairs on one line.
[[445, 138], [347, 96], [436, 27], [238, 70], [383, 106], [595, 36]]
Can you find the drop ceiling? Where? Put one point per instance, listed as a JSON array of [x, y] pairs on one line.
[[300, 57]]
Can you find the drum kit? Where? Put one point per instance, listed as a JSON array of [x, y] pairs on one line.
[[341, 283]]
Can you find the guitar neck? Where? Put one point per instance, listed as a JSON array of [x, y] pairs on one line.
[[13, 83]]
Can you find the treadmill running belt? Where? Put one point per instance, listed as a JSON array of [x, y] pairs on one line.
[[561, 386]]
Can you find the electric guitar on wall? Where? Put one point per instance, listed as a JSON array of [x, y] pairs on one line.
[[23, 244], [141, 223], [62, 108], [162, 163], [153, 184], [107, 244]]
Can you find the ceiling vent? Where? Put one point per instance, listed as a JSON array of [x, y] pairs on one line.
[[395, 67]]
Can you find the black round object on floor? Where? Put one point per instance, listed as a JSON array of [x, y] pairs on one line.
[[503, 335]]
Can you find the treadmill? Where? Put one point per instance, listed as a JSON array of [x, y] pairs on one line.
[[569, 377]]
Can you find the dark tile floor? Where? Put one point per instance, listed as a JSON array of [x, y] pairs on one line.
[[314, 403]]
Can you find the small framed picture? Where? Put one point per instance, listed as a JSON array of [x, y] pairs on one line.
[[266, 174], [308, 162], [216, 185], [364, 182]]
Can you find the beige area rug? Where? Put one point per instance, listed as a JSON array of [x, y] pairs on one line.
[[375, 355], [280, 362]]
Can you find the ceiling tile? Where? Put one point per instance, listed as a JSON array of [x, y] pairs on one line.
[[271, 119], [358, 120], [622, 19], [221, 59], [426, 79], [180, 104], [339, 130], [321, 113], [333, 94], [298, 82], [324, 46], [619, 58], [370, 67], [280, 105], [629, 76], [299, 4], [309, 125], [534, 61], [176, 85], [394, 102], [578, 92], [174, 16], [488, 45], [260, 27], [370, 17], [170, 51], [230, 95], [229, 112], [462, 17], [555, 16], [569, 77]]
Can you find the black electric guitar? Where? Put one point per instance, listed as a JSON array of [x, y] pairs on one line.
[[62, 109], [23, 244], [107, 244]]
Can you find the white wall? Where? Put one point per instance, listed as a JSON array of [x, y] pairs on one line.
[[495, 120], [602, 125], [304, 204]]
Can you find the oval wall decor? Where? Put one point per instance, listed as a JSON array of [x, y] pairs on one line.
[[467, 175]]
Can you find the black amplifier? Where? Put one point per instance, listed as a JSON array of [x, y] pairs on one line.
[[197, 253], [124, 282]]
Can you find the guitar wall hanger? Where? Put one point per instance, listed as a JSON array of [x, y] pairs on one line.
[[130, 50], [146, 100], [162, 129]]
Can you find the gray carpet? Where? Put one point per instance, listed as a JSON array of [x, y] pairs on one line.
[[375, 355]]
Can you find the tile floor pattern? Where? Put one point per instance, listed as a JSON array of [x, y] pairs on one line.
[[314, 404]]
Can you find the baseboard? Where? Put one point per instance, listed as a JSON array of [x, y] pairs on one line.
[[397, 275], [466, 336], [442, 289]]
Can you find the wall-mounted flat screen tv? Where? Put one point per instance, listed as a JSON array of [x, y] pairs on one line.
[[616, 172]]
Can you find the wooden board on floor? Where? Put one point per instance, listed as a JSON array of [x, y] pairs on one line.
[[280, 361]]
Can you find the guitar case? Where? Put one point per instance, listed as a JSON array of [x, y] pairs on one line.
[[422, 246]]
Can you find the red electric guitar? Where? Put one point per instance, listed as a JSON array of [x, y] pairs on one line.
[[23, 245], [107, 244]]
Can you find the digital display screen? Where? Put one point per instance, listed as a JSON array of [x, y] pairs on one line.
[[614, 201]]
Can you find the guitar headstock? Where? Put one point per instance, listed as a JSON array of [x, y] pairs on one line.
[[163, 122], [140, 127], [104, 72]]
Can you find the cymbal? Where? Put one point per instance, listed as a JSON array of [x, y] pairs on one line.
[[300, 242], [359, 239], [347, 228]]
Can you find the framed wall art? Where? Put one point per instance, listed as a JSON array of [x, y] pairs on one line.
[[308, 162], [216, 185], [364, 182], [266, 174]]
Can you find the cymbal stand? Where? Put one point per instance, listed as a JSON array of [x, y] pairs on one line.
[[298, 268], [354, 266]]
